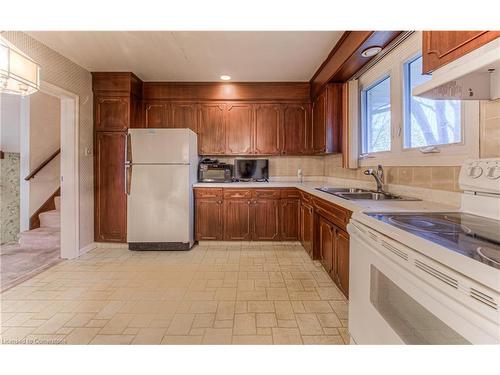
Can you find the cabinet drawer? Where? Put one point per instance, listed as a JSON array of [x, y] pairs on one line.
[[237, 193], [330, 211], [207, 193], [290, 193], [305, 197], [266, 193]]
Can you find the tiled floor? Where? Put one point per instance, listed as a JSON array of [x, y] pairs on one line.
[[217, 293]]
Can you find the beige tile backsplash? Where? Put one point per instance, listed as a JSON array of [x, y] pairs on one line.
[[438, 178], [490, 129]]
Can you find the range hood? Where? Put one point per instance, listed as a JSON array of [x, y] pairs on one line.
[[475, 76]]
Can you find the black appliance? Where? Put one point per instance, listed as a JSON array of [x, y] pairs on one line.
[[251, 169]]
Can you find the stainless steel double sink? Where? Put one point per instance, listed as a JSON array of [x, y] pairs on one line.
[[363, 194]]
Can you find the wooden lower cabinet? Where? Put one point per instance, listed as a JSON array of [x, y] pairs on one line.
[[272, 214], [306, 227], [265, 217], [342, 250], [326, 242], [110, 223], [208, 224], [333, 248], [237, 219], [290, 219]]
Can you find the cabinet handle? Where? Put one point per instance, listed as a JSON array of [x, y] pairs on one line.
[[219, 202], [249, 202]]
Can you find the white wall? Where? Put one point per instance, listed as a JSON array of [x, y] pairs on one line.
[[10, 122], [45, 138]]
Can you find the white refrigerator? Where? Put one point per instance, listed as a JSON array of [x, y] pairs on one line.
[[160, 170]]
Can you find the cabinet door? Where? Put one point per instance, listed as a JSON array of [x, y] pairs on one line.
[[265, 219], [184, 115], [239, 129], [326, 243], [306, 227], [441, 47], [211, 133], [342, 260], [155, 115], [319, 123], [295, 128], [112, 113], [267, 129], [208, 222], [237, 219], [110, 198], [289, 218]]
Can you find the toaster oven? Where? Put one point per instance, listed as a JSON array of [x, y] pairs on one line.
[[215, 172]]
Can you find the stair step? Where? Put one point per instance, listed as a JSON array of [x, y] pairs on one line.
[[50, 219], [57, 202], [40, 238]]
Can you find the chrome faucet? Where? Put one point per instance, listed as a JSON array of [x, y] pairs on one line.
[[378, 175]]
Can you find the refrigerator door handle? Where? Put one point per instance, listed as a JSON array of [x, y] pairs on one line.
[[128, 178], [128, 149]]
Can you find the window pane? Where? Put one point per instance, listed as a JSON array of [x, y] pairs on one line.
[[377, 117], [429, 122]]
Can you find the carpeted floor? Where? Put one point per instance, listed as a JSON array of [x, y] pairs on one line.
[[18, 264]]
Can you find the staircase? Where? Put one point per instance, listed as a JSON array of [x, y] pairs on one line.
[[49, 233]]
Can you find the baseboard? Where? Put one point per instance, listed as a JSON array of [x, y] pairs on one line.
[[112, 245], [87, 248]]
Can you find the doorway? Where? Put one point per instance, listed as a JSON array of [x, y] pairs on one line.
[[48, 202]]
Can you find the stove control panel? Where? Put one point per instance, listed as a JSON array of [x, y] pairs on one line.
[[480, 175]]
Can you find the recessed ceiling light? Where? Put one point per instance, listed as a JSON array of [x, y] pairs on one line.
[[225, 77], [371, 51]]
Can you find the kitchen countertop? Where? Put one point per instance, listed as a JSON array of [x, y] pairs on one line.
[[354, 206]]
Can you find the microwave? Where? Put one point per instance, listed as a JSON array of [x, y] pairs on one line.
[[215, 172]]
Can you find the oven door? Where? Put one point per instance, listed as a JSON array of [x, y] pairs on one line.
[[390, 304]]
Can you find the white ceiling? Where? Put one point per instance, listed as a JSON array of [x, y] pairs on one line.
[[197, 56]]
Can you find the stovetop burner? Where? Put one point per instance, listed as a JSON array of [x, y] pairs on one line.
[[428, 224], [473, 236]]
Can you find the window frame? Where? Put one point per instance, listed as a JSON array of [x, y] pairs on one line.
[[364, 115], [407, 110], [394, 65]]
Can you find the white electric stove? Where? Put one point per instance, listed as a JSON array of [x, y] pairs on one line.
[[430, 277]]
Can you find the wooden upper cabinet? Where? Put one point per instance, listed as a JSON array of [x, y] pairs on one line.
[[267, 129], [327, 120], [239, 129], [265, 219], [441, 47], [319, 123], [156, 115], [211, 130], [296, 129], [184, 115], [237, 219], [110, 198], [342, 260], [112, 113]]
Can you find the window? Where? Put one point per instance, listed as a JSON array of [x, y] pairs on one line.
[[376, 134], [428, 122], [397, 129]]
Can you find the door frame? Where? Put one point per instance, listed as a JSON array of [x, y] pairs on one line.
[[70, 170]]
